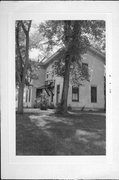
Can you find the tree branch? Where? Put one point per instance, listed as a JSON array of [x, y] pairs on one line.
[[18, 47], [18, 75], [23, 27], [29, 25]]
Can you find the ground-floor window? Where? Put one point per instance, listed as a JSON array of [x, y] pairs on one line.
[[75, 93], [26, 94], [38, 92], [29, 95], [58, 94], [52, 97], [93, 94]]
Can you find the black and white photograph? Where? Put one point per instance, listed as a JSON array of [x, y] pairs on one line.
[[60, 87], [59, 90]]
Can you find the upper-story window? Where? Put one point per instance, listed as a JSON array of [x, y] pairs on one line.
[[53, 73], [85, 72], [52, 66], [84, 66]]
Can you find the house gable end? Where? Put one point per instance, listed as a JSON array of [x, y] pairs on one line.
[[57, 55]]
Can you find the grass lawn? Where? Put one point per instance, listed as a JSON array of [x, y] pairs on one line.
[[44, 133]]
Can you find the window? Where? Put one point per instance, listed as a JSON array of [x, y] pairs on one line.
[[47, 75], [53, 73], [84, 68], [29, 95], [38, 92], [58, 93], [75, 93], [52, 97], [58, 88], [26, 95], [93, 94], [84, 65]]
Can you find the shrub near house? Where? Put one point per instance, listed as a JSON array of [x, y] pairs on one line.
[[42, 102]]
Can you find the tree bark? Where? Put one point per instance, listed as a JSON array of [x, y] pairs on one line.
[[67, 36], [22, 83], [20, 98], [65, 85]]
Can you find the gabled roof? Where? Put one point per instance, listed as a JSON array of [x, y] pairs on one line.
[[53, 57], [60, 51], [98, 53]]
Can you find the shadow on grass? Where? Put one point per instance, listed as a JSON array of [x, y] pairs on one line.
[[30, 139], [40, 134]]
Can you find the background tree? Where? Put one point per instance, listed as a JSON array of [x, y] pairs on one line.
[[22, 58]]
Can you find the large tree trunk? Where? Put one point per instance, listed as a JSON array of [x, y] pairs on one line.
[[21, 85], [65, 85], [20, 98], [67, 34], [24, 71]]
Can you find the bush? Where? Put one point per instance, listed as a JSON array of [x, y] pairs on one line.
[[69, 108], [42, 102], [43, 106], [37, 103], [51, 106], [59, 108]]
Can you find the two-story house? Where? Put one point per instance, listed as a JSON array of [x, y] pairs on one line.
[[90, 95]]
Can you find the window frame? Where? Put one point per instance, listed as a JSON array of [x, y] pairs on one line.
[[75, 100]]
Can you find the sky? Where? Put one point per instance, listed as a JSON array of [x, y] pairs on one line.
[[34, 53]]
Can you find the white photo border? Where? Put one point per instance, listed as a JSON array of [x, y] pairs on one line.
[[54, 167]]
